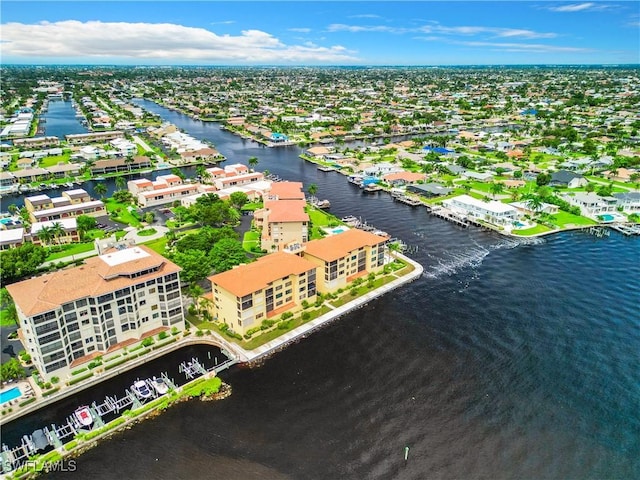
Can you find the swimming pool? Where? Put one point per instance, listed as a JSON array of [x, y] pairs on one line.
[[8, 395], [337, 230], [519, 224], [6, 221], [608, 218]]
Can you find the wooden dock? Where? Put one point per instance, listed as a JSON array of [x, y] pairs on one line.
[[626, 229]]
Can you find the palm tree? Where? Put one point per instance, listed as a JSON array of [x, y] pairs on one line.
[[635, 179], [253, 161], [101, 189], [312, 189], [45, 235], [200, 171], [57, 230], [496, 188], [13, 209], [534, 203], [120, 182], [128, 161]]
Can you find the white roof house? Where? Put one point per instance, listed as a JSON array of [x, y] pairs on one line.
[[493, 211]]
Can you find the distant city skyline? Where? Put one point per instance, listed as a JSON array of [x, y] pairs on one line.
[[320, 33]]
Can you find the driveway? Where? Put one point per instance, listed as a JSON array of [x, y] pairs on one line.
[[132, 233]]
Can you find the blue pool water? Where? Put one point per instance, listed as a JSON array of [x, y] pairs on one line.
[[338, 230], [9, 395], [4, 221], [608, 218], [519, 224]]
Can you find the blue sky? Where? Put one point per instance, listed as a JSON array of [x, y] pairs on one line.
[[320, 33]]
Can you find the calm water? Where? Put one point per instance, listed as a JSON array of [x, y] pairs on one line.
[[505, 360], [60, 120]]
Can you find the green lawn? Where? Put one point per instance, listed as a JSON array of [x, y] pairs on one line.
[[565, 219], [532, 231], [251, 240], [158, 245], [123, 213], [71, 249], [54, 160], [147, 232]]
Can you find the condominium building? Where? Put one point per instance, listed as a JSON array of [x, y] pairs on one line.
[[283, 219], [346, 256], [248, 294], [69, 317], [72, 203]]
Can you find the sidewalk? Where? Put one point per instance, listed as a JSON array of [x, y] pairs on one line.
[[303, 330]]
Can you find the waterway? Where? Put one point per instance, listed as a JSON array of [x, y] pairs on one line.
[[60, 119], [507, 359]]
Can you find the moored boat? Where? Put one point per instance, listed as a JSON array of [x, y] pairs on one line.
[[83, 415], [160, 385]]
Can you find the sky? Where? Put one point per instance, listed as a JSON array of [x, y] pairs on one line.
[[320, 33]]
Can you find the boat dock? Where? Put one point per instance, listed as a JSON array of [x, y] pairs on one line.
[[626, 229], [54, 436]]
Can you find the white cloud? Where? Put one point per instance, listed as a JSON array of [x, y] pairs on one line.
[[341, 27], [579, 7], [527, 47], [168, 42], [444, 30], [299, 30], [365, 15], [224, 22]]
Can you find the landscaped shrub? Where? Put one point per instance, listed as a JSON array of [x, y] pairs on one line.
[[147, 342], [353, 292], [114, 364], [81, 378], [175, 331], [286, 315], [50, 392], [199, 333], [162, 335], [192, 310], [306, 316], [27, 401]]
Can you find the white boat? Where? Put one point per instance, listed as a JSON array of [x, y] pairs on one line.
[[83, 414], [160, 385], [141, 389]]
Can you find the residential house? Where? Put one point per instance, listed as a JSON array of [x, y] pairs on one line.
[[493, 211], [628, 201], [591, 204], [565, 178], [69, 231], [429, 190]]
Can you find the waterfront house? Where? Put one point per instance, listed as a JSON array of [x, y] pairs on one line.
[[248, 294], [628, 201], [591, 204], [343, 257], [120, 165], [28, 175], [7, 179], [82, 138], [429, 190], [69, 317], [525, 208], [494, 212], [65, 170], [398, 179]]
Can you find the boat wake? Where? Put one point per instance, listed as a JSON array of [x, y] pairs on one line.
[[451, 263]]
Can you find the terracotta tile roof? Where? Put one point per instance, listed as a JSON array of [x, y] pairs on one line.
[[337, 246], [95, 277], [286, 211], [406, 176], [287, 190], [255, 276]]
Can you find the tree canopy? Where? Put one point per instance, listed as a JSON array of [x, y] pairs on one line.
[[20, 262]]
